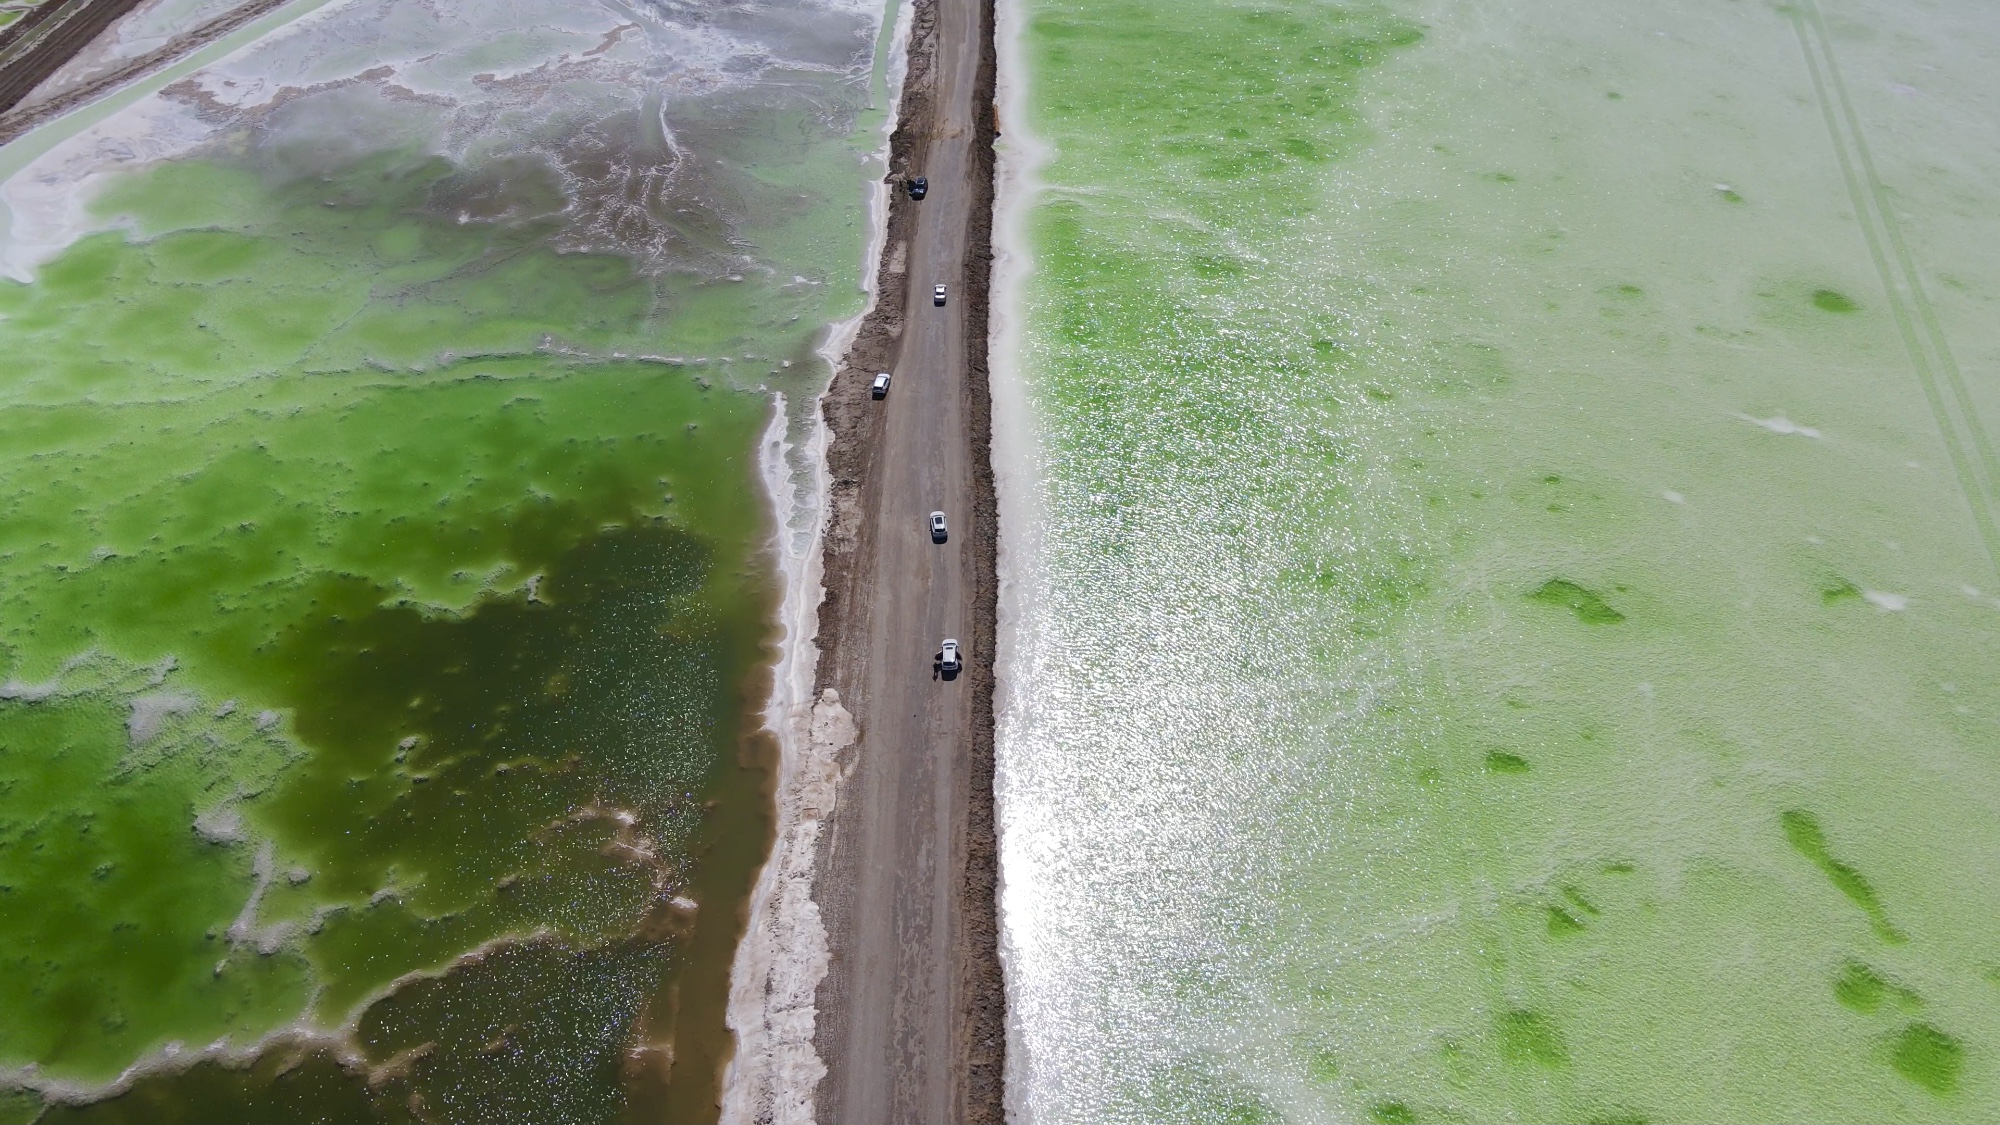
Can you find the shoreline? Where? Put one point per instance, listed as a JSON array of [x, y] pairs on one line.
[[1020, 156], [983, 977], [784, 954]]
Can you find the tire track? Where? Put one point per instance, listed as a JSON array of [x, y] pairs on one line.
[[1878, 225], [1925, 309]]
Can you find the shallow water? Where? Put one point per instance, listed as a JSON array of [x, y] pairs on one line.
[[1510, 628], [386, 571]]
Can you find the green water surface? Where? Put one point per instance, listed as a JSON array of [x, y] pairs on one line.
[[1514, 635], [381, 581]]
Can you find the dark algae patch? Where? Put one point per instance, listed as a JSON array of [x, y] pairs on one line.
[[349, 626], [1833, 301], [1588, 605], [1864, 990], [1392, 1113], [1803, 832], [1928, 1057], [1529, 1037], [301, 1085]]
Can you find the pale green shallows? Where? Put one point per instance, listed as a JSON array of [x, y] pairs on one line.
[[1513, 634]]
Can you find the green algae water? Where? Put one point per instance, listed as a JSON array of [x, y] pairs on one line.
[[385, 584], [1502, 621]]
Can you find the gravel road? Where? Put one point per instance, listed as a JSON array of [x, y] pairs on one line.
[[911, 1014]]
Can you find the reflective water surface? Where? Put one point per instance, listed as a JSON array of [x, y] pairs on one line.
[[1508, 631]]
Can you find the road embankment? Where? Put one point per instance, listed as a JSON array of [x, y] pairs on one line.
[[911, 1016]]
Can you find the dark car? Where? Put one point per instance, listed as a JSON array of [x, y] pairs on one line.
[[918, 187]]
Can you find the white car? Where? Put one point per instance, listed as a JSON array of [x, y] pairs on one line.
[[938, 533], [949, 661], [880, 387], [937, 295]]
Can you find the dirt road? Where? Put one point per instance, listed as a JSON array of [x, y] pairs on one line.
[[910, 1021], [41, 42], [27, 60]]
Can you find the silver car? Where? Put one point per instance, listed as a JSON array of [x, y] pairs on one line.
[[949, 661], [880, 387], [938, 533], [937, 295]]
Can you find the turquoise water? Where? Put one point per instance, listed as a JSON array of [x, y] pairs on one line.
[[386, 572], [1508, 630]]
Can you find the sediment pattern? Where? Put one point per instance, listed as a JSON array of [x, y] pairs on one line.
[[387, 598]]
